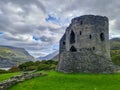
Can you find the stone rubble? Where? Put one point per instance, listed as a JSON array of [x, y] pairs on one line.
[[16, 79]]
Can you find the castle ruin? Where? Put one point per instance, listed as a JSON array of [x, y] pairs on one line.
[[85, 46]]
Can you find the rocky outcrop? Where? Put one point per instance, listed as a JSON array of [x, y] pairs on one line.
[[16, 79]]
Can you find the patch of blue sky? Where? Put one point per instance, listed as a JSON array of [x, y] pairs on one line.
[[35, 38], [53, 19], [57, 20], [1, 33], [1, 12], [55, 46]]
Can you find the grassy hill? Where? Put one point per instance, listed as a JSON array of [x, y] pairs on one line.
[[16, 55], [115, 44], [115, 56], [8, 75], [61, 81], [115, 50]]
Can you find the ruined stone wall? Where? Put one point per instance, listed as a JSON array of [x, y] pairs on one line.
[[86, 47], [16, 79], [85, 61], [89, 32]]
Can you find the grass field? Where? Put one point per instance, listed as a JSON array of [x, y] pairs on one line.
[[7, 76], [61, 81]]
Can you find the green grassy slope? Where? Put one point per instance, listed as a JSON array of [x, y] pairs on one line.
[[115, 56], [14, 54], [61, 81], [115, 50], [115, 44], [8, 75]]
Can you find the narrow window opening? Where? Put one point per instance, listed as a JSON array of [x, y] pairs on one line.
[[72, 37], [80, 33], [73, 49], [102, 37], [90, 36], [81, 22], [63, 43], [93, 48]]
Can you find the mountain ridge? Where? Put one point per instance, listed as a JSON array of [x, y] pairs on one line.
[[12, 56], [49, 56]]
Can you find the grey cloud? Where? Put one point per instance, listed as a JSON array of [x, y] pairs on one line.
[[21, 23], [25, 3], [46, 39]]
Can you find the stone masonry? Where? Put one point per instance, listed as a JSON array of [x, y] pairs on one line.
[[85, 46], [5, 85]]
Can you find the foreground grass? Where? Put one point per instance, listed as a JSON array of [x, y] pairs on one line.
[[61, 81], [7, 76]]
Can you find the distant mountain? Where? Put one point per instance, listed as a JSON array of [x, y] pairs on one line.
[[115, 50], [11, 56], [56, 58], [49, 56], [115, 44]]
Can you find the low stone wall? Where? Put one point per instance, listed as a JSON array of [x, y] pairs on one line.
[[15, 79]]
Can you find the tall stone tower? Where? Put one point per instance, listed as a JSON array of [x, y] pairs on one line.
[[85, 46]]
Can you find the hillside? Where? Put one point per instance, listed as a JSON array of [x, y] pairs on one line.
[[115, 50], [49, 56], [10, 56], [115, 44]]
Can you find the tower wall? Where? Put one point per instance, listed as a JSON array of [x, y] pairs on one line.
[[86, 46]]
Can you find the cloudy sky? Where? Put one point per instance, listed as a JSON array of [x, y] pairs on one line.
[[37, 25]]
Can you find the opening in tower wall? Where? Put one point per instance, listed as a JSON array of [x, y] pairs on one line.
[[72, 37], [63, 43], [102, 37], [73, 49], [81, 22], [90, 36], [80, 33], [93, 48]]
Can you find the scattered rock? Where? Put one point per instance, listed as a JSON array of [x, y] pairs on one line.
[[16, 79]]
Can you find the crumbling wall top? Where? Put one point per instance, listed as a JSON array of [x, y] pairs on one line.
[[90, 19]]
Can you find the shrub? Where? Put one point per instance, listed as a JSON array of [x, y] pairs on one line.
[[43, 67], [116, 59], [115, 56], [14, 69], [2, 71], [25, 65], [31, 68], [38, 65]]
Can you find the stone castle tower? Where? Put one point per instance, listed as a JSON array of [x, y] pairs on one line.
[[85, 46]]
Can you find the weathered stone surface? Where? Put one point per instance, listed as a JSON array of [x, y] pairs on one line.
[[87, 62], [85, 46]]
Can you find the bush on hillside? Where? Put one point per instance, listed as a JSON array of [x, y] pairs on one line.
[[25, 65], [38, 65], [115, 56], [43, 67], [3, 71], [116, 59], [30, 68], [14, 69]]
